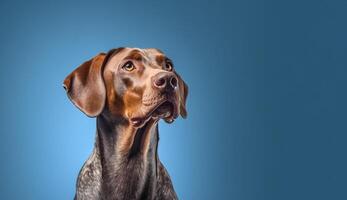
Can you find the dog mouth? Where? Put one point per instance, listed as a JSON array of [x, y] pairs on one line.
[[163, 109]]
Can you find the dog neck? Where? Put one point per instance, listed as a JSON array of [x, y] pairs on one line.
[[128, 157]]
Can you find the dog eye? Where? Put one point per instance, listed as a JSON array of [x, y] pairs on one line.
[[168, 66], [128, 66]]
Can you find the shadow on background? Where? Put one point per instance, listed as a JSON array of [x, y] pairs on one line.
[[267, 103]]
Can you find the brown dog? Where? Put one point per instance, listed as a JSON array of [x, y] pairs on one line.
[[128, 90]]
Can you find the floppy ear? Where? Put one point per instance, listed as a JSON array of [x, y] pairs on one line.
[[183, 89], [85, 86]]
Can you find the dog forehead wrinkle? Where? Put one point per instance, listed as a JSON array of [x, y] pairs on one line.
[[154, 50], [136, 54]]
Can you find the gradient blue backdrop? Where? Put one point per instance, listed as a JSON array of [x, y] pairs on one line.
[[267, 103]]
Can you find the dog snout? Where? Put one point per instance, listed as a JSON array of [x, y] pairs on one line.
[[165, 81]]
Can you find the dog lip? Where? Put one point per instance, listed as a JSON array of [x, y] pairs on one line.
[[140, 121]]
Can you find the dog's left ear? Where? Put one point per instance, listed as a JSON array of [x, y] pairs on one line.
[[183, 90], [85, 86]]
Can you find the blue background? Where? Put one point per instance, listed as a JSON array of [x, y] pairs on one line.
[[267, 103]]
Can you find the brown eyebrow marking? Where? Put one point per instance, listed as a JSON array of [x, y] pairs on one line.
[[160, 59], [135, 55]]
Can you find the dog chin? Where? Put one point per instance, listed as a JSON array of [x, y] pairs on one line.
[[165, 110]]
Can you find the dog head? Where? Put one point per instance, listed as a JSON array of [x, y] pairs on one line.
[[128, 83]]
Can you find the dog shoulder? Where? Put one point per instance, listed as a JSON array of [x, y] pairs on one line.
[[89, 178], [165, 189]]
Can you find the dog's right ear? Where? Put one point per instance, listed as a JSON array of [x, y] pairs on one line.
[[85, 86]]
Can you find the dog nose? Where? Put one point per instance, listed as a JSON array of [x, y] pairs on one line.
[[165, 80]]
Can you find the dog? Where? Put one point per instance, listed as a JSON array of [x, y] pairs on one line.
[[128, 90]]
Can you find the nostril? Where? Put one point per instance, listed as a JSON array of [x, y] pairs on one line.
[[160, 82], [173, 82]]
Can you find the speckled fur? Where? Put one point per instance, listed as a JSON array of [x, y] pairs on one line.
[[124, 177], [89, 179]]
